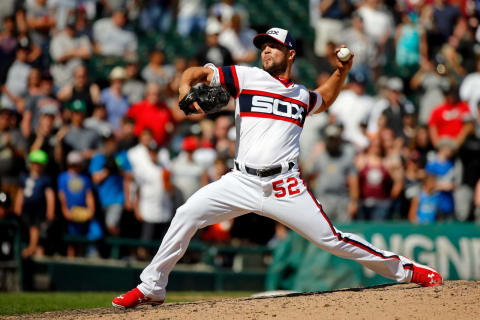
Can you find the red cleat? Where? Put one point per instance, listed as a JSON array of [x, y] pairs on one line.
[[134, 298], [426, 276]]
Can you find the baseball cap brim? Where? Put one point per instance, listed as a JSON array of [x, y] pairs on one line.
[[261, 38]]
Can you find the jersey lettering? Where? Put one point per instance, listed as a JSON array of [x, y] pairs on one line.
[[262, 104], [278, 108]]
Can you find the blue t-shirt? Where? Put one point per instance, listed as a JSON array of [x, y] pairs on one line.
[[34, 200], [443, 170], [110, 190], [75, 187], [427, 207], [116, 107]]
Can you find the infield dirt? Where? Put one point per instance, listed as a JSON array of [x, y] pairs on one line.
[[453, 300]]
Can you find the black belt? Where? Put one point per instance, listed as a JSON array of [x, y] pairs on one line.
[[265, 172]]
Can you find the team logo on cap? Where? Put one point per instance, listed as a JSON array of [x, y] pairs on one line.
[[275, 32]]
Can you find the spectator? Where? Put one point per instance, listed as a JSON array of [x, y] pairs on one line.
[[225, 9], [442, 167], [35, 201], [115, 102], [157, 71], [221, 140], [8, 43], [335, 179], [328, 22], [83, 17], [138, 154], [98, 121], [106, 169], [411, 44], [44, 139], [46, 99], [76, 137], [213, 52], [414, 174], [378, 26], [377, 22], [81, 89], [68, 50], [239, 41], [133, 87], [186, 173], [40, 21], [400, 111], [75, 194], [153, 205], [357, 40], [424, 207], [429, 79], [126, 134], [352, 109], [34, 81], [154, 114], [469, 155], [452, 119], [8, 231], [112, 38], [156, 15], [421, 144], [13, 149], [216, 171], [65, 9], [469, 90], [375, 184], [15, 87], [445, 17], [191, 15]]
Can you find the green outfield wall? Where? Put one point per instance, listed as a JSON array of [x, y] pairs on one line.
[[452, 248]]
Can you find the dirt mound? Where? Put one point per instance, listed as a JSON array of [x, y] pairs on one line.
[[453, 300]]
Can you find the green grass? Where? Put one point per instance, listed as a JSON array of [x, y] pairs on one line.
[[30, 302]]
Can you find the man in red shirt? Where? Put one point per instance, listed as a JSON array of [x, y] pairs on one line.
[[152, 113], [452, 119]]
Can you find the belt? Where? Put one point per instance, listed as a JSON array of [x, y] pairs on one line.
[[266, 172]]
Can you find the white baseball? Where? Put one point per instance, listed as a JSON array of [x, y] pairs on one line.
[[344, 54]]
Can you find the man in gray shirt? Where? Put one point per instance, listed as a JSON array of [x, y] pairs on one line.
[[68, 51], [335, 178], [112, 39], [76, 137]]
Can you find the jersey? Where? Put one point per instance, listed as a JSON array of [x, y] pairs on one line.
[[269, 114]]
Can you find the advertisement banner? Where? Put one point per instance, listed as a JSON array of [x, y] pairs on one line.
[[452, 248]]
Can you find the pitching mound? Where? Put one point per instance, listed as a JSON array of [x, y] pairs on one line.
[[453, 300]]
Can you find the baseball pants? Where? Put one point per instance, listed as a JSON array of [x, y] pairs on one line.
[[282, 197]]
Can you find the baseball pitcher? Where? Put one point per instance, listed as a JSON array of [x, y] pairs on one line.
[[270, 110]]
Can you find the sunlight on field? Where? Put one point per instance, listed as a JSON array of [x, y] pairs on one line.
[[19, 303]]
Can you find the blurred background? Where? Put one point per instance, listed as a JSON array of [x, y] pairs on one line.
[[95, 155]]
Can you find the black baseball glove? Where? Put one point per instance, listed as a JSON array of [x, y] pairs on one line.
[[210, 99]]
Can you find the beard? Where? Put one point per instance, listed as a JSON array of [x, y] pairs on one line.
[[276, 69]]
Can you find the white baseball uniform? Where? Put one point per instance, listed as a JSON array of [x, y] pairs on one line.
[[269, 117]]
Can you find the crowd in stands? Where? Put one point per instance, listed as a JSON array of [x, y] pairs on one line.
[[91, 156]]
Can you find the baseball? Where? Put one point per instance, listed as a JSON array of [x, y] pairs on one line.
[[344, 54]]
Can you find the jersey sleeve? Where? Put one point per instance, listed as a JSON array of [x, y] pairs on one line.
[[231, 79], [315, 101]]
